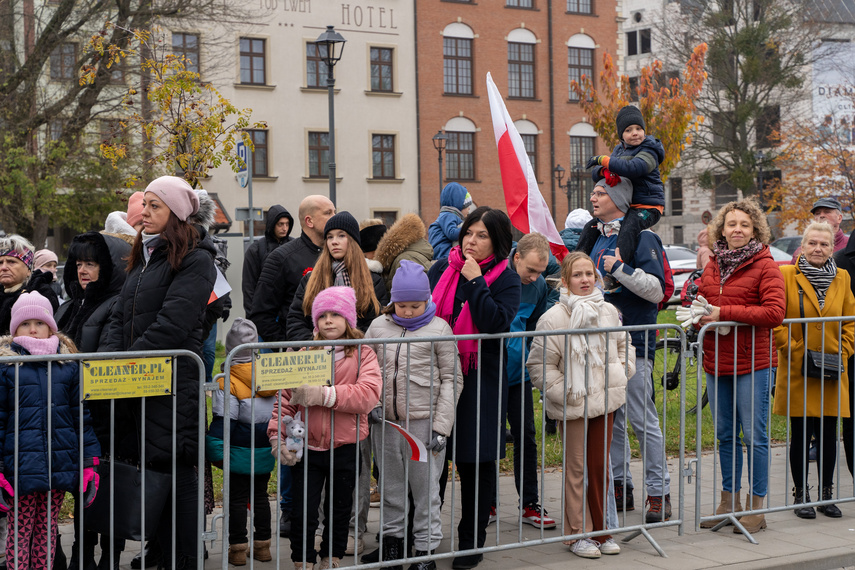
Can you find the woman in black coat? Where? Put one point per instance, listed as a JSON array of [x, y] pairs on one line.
[[476, 292], [341, 262], [161, 307]]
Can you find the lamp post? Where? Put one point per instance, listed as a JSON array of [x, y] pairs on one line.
[[577, 170], [759, 157], [558, 174], [439, 140], [334, 44]]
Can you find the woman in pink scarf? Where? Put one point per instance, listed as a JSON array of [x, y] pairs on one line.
[[476, 292]]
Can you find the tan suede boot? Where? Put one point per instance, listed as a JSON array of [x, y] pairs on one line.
[[723, 507], [753, 523], [329, 563], [299, 565], [261, 550], [237, 554]]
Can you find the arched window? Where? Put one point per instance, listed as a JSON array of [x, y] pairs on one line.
[[457, 59], [528, 131], [580, 61], [521, 78], [460, 149]]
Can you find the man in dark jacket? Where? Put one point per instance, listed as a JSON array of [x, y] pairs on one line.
[[277, 232], [284, 268], [636, 291]]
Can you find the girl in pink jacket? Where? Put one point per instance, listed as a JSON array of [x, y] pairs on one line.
[[344, 404]]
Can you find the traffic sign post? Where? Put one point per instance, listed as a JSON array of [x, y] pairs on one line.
[[244, 177]]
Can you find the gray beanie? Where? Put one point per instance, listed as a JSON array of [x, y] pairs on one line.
[[621, 194], [242, 332]]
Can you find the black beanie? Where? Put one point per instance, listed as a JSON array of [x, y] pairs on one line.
[[370, 237], [344, 221], [627, 116]]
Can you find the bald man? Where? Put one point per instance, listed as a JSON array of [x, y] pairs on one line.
[[285, 266]]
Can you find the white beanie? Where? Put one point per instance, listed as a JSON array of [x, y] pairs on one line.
[[577, 219]]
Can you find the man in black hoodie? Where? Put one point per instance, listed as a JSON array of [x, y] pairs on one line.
[[278, 231]]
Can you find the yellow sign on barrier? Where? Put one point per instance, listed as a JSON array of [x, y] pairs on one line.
[[127, 378], [283, 370]]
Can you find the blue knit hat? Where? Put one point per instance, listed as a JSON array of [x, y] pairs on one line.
[[410, 283]]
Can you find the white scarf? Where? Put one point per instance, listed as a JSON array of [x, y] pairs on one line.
[[609, 229], [584, 349]]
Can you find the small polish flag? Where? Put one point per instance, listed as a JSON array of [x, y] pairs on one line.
[[526, 207], [417, 447], [221, 286]]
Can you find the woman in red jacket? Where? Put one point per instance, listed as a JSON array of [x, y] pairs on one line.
[[743, 284]]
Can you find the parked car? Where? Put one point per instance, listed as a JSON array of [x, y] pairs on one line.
[[683, 261], [789, 245], [780, 256]]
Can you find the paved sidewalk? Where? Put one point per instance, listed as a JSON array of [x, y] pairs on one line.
[[788, 542]]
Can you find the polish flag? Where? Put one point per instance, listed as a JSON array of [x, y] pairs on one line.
[[221, 286], [526, 207], [417, 447]]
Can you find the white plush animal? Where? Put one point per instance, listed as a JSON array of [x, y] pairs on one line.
[[294, 430]]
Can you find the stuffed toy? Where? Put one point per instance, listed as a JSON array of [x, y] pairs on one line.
[[294, 430]]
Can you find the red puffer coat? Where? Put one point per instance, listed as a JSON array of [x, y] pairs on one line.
[[754, 294]]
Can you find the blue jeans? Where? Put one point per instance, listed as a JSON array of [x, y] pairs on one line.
[[748, 396], [209, 352]]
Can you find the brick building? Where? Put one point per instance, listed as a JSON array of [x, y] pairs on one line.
[[533, 48]]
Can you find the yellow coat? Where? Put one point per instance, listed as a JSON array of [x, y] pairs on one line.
[[789, 339]]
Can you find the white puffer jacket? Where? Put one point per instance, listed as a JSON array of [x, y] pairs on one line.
[[432, 381], [618, 369]]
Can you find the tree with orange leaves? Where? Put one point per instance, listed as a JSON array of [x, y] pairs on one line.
[[667, 105]]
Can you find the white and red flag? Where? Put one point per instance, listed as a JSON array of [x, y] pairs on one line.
[[526, 207], [418, 450]]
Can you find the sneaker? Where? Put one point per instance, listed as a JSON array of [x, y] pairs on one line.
[[660, 510], [620, 493], [375, 497], [535, 515], [585, 548], [360, 545], [493, 516], [609, 547]]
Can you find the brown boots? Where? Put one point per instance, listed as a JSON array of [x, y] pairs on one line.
[[237, 554], [753, 523], [261, 550], [727, 501]]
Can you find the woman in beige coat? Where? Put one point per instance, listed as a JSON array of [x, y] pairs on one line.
[[815, 287], [590, 386]]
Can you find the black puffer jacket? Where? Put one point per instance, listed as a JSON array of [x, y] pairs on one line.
[[258, 251], [40, 281], [159, 309], [84, 316], [280, 278], [300, 325]]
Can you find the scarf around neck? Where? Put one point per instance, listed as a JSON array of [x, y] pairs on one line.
[[150, 243], [820, 278], [585, 349], [416, 323], [444, 293], [730, 259], [609, 229], [37, 346], [452, 210], [342, 279]]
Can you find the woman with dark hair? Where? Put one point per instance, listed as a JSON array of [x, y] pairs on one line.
[[342, 262], [93, 277], [161, 307], [476, 292]]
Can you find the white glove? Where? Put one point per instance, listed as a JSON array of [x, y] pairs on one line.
[[282, 453], [694, 313]]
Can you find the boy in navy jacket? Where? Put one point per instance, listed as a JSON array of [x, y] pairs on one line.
[[636, 157]]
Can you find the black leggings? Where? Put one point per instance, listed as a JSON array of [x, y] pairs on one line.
[[825, 431]]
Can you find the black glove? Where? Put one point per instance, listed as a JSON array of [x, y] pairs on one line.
[[375, 416], [226, 314], [437, 442]]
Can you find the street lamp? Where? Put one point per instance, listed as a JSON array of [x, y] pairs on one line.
[[334, 44], [439, 140], [558, 174], [759, 157], [577, 170]]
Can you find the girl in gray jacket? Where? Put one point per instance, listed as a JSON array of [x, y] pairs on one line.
[[421, 383]]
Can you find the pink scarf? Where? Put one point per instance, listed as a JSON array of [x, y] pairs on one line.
[[38, 346], [443, 296]]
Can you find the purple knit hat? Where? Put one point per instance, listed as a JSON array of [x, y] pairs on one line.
[[341, 300], [177, 194], [32, 306], [410, 283]]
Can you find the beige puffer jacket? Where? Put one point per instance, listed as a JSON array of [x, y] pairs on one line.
[[432, 381], [618, 369]]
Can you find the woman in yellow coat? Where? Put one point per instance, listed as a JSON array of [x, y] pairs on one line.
[[813, 405]]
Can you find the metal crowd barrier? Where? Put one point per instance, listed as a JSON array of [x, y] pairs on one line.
[[780, 495], [627, 525], [88, 361]]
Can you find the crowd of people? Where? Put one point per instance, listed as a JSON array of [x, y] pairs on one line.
[[145, 283]]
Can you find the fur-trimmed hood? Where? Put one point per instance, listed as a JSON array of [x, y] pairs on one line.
[[404, 233], [206, 214], [7, 346], [117, 224]]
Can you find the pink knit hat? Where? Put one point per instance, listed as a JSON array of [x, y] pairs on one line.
[[341, 300], [32, 306], [177, 194], [135, 208]]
